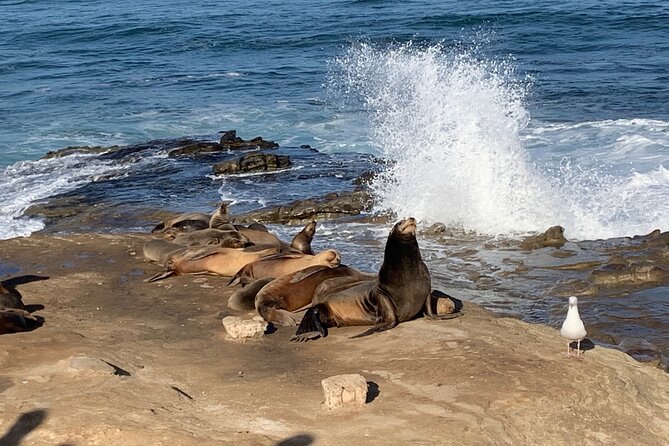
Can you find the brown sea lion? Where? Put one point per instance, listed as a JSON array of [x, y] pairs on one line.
[[398, 294], [15, 321], [209, 260], [302, 241], [259, 237], [191, 221], [159, 251], [10, 299], [244, 298], [281, 264], [226, 239], [221, 217], [276, 301]]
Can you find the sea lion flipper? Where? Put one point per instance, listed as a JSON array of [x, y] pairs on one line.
[[313, 326], [443, 317], [159, 276], [237, 278]]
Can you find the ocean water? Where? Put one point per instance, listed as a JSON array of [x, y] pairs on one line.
[[501, 117]]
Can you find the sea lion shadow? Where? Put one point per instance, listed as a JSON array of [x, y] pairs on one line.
[[25, 424], [297, 440]]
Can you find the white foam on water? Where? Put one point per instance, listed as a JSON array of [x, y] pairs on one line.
[[27, 182], [455, 126]]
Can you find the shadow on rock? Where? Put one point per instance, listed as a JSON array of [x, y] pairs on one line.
[[297, 440], [26, 423]]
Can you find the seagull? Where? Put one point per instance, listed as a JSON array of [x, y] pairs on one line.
[[572, 327]]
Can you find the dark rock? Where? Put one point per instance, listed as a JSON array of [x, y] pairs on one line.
[[78, 150], [553, 237], [330, 207], [253, 162], [640, 349], [615, 274], [229, 141]]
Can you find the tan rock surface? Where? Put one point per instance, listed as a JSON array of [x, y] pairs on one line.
[[474, 380]]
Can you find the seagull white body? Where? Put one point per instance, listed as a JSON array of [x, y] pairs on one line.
[[572, 327]]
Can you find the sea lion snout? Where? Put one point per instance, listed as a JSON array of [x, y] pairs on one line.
[[333, 257], [407, 226]]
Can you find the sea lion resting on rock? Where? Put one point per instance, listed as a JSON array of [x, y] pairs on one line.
[[191, 221], [226, 239], [282, 264], [159, 251], [14, 320], [276, 300], [401, 290], [210, 259]]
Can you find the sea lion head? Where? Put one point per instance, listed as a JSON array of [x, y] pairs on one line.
[[405, 228], [310, 228]]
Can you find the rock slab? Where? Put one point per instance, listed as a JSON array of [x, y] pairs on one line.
[[238, 328], [348, 390]]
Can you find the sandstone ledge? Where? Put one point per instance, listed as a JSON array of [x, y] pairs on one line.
[[475, 380]]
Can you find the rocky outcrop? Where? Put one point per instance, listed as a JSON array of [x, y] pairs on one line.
[[252, 162], [330, 207], [78, 150], [229, 141], [553, 237]]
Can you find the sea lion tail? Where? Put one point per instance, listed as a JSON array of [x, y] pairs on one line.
[[159, 276], [313, 325]]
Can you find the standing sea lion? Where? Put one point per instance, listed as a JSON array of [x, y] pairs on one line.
[[398, 294], [279, 265], [302, 241], [291, 292], [210, 259]]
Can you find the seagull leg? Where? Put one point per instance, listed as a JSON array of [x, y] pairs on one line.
[[568, 349], [578, 348]]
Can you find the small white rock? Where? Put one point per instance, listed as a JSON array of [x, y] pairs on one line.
[[344, 390], [236, 327]]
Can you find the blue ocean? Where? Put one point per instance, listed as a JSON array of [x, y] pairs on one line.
[[501, 118]]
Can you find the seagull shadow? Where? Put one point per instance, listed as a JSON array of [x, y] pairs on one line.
[[586, 344]]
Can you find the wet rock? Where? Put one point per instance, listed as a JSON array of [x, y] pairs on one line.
[[330, 207], [344, 391], [78, 150], [574, 288], [238, 328], [229, 141], [640, 349], [253, 162], [553, 237], [636, 274]]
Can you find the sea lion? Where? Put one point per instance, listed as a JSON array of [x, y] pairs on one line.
[[191, 221], [209, 260], [159, 251], [259, 237], [281, 264], [226, 239], [16, 320], [258, 227], [244, 298], [221, 217], [398, 294], [302, 241], [277, 300], [10, 299]]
